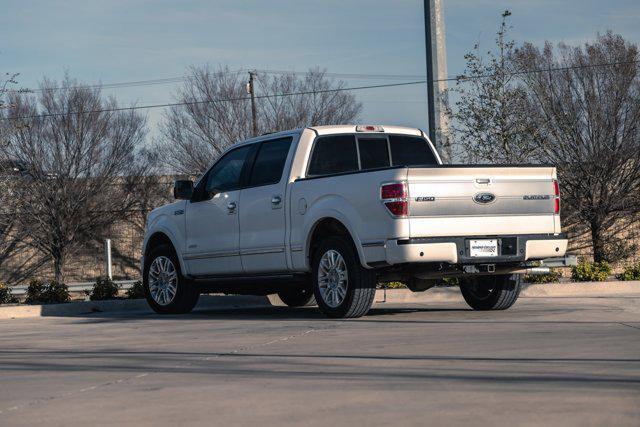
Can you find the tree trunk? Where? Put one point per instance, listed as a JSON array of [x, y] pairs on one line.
[[58, 266], [597, 241]]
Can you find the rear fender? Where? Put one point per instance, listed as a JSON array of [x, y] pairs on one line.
[[334, 207]]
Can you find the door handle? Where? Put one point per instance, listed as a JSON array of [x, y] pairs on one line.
[[276, 201], [231, 207]]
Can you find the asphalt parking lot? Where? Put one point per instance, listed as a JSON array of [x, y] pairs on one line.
[[552, 361]]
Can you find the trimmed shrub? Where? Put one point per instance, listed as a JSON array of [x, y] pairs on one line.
[[449, 281], [52, 292], [591, 271], [104, 289], [136, 290], [631, 272], [392, 285], [552, 277], [5, 295], [35, 290]]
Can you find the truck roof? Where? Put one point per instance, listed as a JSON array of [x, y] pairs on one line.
[[327, 130], [334, 129]]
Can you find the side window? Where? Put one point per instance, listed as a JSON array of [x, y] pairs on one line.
[[269, 163], [333, 154], [374, 153], [225, 174], [410, 151]]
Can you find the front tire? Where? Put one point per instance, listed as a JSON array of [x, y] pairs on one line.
[[167, 291], [342, 287], [491, 292]]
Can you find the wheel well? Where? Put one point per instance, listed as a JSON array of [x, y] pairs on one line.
[[324, 228], [157, 239]]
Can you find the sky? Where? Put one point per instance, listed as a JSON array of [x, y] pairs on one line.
[[129, 40]]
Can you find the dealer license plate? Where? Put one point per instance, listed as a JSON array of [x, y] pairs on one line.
[[483, 248]]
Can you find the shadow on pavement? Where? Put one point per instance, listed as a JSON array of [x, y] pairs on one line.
[[329, 367], [279, 313]]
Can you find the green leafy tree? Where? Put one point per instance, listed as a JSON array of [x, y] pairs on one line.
[[489, 121]]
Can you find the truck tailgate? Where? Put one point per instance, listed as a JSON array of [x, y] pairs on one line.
[[482, 201]]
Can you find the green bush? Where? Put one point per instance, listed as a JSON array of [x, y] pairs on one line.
[[393, 285], [5, 295], [591, 271], [449, 281], [52, 292], [552, 277], [34, 292], [631, 272], [104, 289], [136, 290]]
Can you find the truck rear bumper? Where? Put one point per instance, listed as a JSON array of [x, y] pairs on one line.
[[455, 250]]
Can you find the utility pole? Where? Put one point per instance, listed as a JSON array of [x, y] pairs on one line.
[[436, 55], [251, 92]]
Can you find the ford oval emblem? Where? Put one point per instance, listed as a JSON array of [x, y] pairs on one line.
[[484, 198]]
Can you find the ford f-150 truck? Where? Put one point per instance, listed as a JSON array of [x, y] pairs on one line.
[[323, 214]]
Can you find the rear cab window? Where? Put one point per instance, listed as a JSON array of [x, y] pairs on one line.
[[374, 153], [334, 154], [407, 150], [345, 153], [269, 164]]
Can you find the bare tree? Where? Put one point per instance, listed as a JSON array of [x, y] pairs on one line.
[[81, 162], [11, 236], [490, 123], [588, 113], [306, 101], [217, 112]]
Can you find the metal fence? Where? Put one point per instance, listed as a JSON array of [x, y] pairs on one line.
[[76, 287]]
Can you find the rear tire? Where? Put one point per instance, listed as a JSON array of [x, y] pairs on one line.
[[491, 292], [298, 297], [342, 287], [167, 291]]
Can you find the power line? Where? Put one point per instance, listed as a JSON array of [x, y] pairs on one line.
[[176, 104], [134, 83], [107, 85], [169, 80], [538, 71], [209, 101], [351, 75], [360, 76]]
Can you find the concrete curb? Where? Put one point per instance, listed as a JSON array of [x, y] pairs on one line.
[[115, 306], [583, 290], [548, 290], [383, 296]]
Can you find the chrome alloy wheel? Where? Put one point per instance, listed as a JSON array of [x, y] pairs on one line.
[[333, 278], [163, 280]]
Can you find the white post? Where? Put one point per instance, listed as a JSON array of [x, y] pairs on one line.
[[107, 258]]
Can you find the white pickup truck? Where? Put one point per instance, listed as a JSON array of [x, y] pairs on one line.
[[324, 214]]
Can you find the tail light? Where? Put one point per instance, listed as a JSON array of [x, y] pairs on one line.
[[395, 197], [556, 199]]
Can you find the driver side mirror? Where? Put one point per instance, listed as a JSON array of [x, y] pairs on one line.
[[183, 189]]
